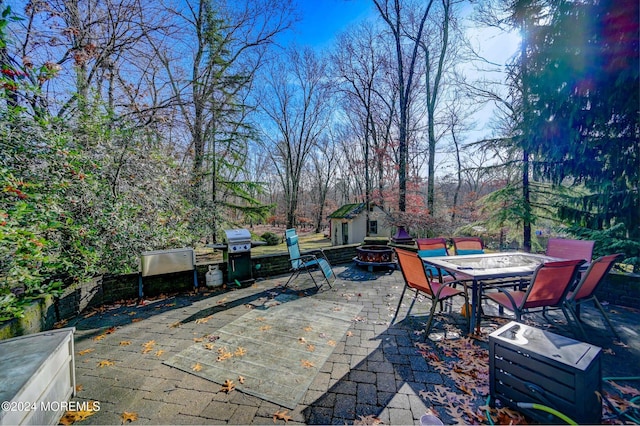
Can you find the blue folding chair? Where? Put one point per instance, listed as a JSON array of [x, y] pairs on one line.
[[306, 262]]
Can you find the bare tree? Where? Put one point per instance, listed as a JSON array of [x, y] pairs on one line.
[[297, 103], [324, 163], [396, 14], [436, 47]]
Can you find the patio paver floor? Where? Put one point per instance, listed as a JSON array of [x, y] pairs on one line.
[[375, 370]]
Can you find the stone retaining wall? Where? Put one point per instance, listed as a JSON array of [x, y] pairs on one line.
[[619, 289]]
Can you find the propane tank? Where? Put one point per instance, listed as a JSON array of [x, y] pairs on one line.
[[213, 276]]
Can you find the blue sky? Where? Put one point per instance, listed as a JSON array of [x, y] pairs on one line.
[[322, 20]]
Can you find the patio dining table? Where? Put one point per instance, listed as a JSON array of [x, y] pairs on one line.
[[480, 268]]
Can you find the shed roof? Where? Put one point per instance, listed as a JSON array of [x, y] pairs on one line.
[[348, 211]]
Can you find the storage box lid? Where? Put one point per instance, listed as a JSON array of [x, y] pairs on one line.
[[22, 357], [553, 346]]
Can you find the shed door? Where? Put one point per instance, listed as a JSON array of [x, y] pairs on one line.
[[345, 233]]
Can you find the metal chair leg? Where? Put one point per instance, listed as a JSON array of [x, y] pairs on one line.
[[404, 289], [605, 316]]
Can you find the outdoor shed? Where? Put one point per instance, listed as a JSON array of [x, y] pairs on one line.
[[349, 224]]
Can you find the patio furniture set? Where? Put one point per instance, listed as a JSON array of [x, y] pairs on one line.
[[563, 278]]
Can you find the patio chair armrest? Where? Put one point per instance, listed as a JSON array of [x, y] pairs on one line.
[[318, 253], [303, 258], [465, 284], [506, 293]]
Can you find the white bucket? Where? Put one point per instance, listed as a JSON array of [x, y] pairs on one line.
[[430, 420], [213, 277]]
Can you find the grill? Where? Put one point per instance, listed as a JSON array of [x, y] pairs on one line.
[[237, 254], [529, 365]]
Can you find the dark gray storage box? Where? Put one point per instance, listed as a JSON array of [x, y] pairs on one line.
[[527, 364]]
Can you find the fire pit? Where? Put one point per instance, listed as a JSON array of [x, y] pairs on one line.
[[374, 255]]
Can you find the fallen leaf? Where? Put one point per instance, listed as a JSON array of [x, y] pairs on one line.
[[99, 337], [198, 339], [79, 387], [625, 389], [311, 347], [86, 351], [223, 354], [136, 320], [209, 346], [175, 325], [371, 419], [110, 330], [240, 351], [105, 363], [281, 415], [308, 328], [60, 324], [203, 320], [331, 343], [128, 417], [349, 333], [148, 346], [306, 363], [125, 343], [265, 328], [302, 340], [196, 367], [70, 417], [159, 352], [228, 386], [241, 380]]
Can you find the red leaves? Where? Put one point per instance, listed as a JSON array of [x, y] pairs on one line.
[[468, 366]]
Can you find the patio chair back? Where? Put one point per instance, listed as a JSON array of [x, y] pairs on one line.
[[564, 248], [586, 289], [413, 271], [433, 246], [293, 247], [550, 283], [468, 245], [596, 273]]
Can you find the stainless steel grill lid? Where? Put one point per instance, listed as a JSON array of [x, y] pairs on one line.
[[238, 240]]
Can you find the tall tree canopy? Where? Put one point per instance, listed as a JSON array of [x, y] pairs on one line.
[[583, 81]]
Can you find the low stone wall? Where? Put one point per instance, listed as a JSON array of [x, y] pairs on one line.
[[109, 289], [38, 316], [619, 289]]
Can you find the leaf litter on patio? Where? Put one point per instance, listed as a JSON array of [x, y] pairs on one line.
[[466, 363]]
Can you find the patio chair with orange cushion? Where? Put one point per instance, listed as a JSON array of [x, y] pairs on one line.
[[547, 289], [432, 247], [468, 245], [585, 290], [438, 245], [417, 278], [564, 248]]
